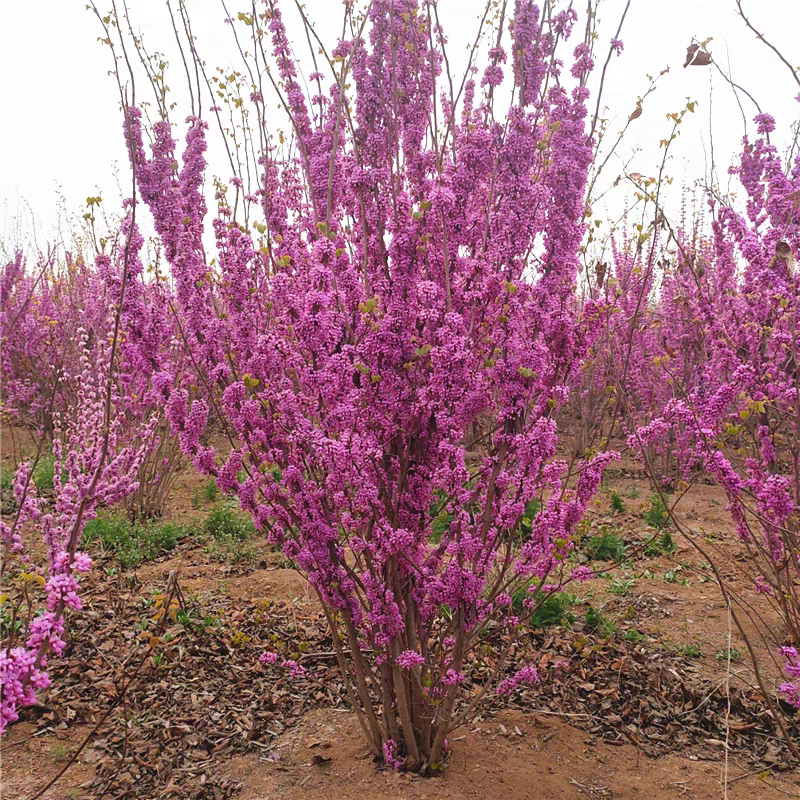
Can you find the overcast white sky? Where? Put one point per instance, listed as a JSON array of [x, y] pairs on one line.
[[61, 130]]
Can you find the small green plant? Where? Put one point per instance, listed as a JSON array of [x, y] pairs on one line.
[[617, 503], [621, 586], [132, 543], [532, 508], [674, 576], [6, 616], [59, 753], [43, 473], [207, 493], [633, 493], [661, 545], [690, 651], [634, 636], [735, 655], [192, 620], [607, 546], [657, 515], [441, 521], [554, 610], [599, 622]]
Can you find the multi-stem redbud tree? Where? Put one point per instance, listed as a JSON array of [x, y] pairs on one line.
[[386, 333]]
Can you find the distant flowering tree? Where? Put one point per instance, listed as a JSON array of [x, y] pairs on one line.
[[95, 341], [729, 350], [386, 334], [93, 467], [43, 306], [42, 357]]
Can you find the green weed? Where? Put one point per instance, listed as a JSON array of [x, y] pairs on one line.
[[735, 655], [6, 476], [662, 545], [441, 522], [633, 636], [674, 576], [229, 530], [8, 505], [207, 493], [532, 508], [225, 521], [657, 515], [554, 610], [599, 622], [617, 503], [607, 546], [621, 586]]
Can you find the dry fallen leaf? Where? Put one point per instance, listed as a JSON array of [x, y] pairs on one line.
[[696, 57]]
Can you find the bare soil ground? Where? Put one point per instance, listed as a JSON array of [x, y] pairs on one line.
[[645, 708]]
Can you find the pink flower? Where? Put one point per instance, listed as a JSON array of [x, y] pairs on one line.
[[409, 659]]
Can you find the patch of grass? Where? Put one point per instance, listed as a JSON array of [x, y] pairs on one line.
[[225, 521], [690, 651], [6, 476], [662, 545], [607, 546], [132, 543], [8, 505], [554, 610], [621, 586], [44, 472], [633, 493], [229, 530], [597, 621], [657, 515], [617, 503], [193, 619], [207, 493], [232, 551]]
